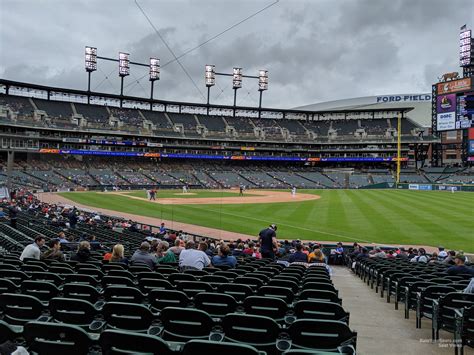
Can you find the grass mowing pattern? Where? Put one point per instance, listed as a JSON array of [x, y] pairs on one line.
[[378, 216], [192, 194]]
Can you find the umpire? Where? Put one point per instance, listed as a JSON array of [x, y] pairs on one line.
[[268, 242]]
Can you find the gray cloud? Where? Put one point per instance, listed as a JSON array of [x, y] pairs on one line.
[[314, 50]]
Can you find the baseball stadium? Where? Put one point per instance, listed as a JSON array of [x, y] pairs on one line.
[[136, 225]]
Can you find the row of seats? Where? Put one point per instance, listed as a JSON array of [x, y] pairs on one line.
[[428, 291]]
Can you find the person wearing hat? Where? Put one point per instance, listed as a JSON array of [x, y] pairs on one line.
[[268, 241], [442, 254], [460, 268]]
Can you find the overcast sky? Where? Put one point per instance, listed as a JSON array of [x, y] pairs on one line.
[[314, 50]]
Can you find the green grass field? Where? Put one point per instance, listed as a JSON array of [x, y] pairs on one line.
[[377, 216], [192, 194]]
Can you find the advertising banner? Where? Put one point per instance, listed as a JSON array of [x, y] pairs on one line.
[[471, 133], [424, 187], [413, 187], [446, 121], [454, 86], [446, 103], [471, 147]]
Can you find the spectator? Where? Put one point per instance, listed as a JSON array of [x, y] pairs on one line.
[[142, 255], [460, 268], [118, 255], [421, 257], [402, 254], [33, 250], [338, 254], [470, 287], [390, 254], [442, 254], [256, 252], [54, 252], [162, 231], [248, 249], [3, 216], [378, 253], [239, 250], [178, 247], [83, 252], [163, 254], [450, 258], [95, 245], [13, 214], [108, 255], [62, 238], [298, 255], [223, 257], [268, 241], [73, 218], [434, 259], [190, 258], [317, 257]]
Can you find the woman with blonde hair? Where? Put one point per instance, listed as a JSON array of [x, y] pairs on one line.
[[118, 254]]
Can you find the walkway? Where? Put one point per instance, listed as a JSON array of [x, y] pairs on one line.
[[380, 328]]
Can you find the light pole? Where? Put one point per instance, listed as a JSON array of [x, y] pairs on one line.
[[124, 70], [90, 65], [210, 78], [262, 86], [154, 75], [236, 83]]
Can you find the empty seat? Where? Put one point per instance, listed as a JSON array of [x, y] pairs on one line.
[[42, 290], [258, 331], [122, 342], [127, 316], [159, 299], [272, 307], [238, 291], [55, 338], [72, 311], [320, 310], [325, 335], [284, 293], [183, 324], [206, 347], [123, 294], [191, 288], [19, 309], [215, 304], [81, 291]]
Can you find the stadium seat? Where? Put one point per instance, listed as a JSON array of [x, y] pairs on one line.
[[307, 309], [19, 309], [320, 295], [146, 285], [117, 293], [81, 279], [73, 311], [284, 293], [55, 338], [425, 298], [191, 288], [193, 347], [122, 342], [161, 298], [326, 335], [238, 291], [464, 329], [216, 305], [272, 307], [81, 291], [7, 286], [258, 331], [127, 316], [443, 316], [42, 290], [183, 324]]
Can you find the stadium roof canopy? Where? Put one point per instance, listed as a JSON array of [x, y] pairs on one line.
[[421, 104]]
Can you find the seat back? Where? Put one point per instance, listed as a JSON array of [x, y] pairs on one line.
[[431, 293], [272, 307], [215, 304], [160, 299], [123, 294], [47, 276], [127, 316], [19, 309], [54, 338], [42, 290], [122, 342], [116, 280], [193, 347], [80, 291], [321, 334], [72, 311], [284, 283], [284, 293], [238, 291], [81, 279], [182, 324], [449, 303], [320, 295], [259, 331], [307, 309], [192, 288], [146, 285]]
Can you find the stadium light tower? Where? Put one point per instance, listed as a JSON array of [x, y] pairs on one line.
[[236, 83], [262, 86], [154, 73], [90, 66], [210, 78], [124, 70]]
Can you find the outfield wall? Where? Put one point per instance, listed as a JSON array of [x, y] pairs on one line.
[[421, 187]]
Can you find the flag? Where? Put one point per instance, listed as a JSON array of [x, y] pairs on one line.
[[464, 27]]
